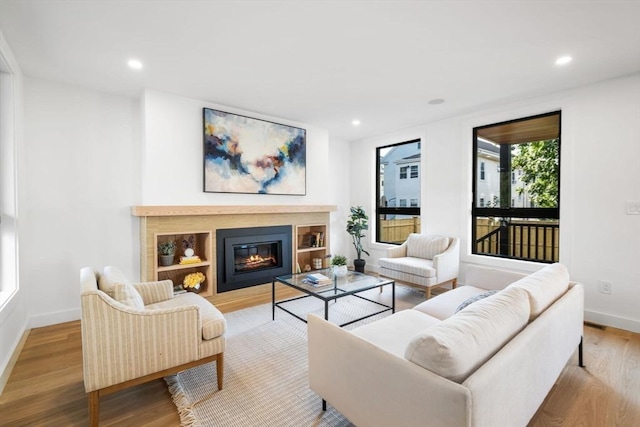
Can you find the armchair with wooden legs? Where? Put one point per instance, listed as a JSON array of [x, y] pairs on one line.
[[134, 333]]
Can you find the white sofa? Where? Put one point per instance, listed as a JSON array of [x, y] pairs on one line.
[[423, 260], [490, 364]]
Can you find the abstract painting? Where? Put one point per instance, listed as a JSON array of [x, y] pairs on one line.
[[246, 155]]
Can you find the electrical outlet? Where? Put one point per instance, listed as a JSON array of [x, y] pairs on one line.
[[605, 287]]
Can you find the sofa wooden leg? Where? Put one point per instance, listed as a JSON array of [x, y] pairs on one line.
[[580, 360], [454, 284], [94, 408], [220, 369]]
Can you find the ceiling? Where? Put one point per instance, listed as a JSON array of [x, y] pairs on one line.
[[325, 63]]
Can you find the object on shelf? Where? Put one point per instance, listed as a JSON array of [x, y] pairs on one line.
[[317, 263], [193, 281], [190, 259]]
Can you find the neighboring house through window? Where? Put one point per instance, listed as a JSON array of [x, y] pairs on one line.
[[398, 182]]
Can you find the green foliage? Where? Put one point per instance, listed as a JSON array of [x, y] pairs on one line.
[[338, 260], [356, 224], [167, 248], [539, 162]]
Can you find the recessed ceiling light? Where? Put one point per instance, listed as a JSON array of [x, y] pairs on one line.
[[135, 64], [355, 122], [436, 101], [564, 60]]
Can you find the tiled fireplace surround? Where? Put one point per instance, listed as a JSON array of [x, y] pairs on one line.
[[178, 219]]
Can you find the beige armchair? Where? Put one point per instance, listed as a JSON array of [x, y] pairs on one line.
[[423, 260], [134, 333]]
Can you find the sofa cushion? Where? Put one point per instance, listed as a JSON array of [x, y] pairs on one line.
[[213, 322], [455, 348], [426, 246], [476, 298], [544, 287], [393, 333], [444, 305], [409, 265]]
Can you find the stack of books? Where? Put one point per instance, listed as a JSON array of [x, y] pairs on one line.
[[190, 259], [317, 279]]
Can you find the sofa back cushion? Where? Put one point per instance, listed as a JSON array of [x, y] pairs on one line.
[[544, 287], [426, 246], [115, 284], [459, 345]]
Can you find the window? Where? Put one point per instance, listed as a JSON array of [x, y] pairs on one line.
[[528, 149], [398, 167], [403, 172]]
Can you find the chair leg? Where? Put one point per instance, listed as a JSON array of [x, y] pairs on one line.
[[220, 369], [94, 408], [454, 284], [427, 293]]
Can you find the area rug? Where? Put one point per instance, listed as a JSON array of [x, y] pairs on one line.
[[266, 375]]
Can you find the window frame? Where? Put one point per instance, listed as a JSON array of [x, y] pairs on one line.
[[510, 212], [395, 210]]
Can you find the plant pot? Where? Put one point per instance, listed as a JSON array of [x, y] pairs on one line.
[[166, 260], [340, 270], [359, 264]]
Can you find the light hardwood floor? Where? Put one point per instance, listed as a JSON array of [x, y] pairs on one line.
[[46, 388]]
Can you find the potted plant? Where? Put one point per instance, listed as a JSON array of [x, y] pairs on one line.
[[356, 224], [339, 264], [167, 251]]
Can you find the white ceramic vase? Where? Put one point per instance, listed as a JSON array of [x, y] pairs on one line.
[[340, 270]]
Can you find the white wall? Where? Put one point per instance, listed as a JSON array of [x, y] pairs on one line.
[[172, 156], [78, 181], [600, 173]]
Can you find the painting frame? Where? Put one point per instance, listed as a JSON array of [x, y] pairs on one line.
[[246, 155]]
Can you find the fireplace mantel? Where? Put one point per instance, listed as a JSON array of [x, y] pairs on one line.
[[186, 210]]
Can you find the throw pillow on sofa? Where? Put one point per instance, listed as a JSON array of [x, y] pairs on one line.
[[457, 346], [475, 298]]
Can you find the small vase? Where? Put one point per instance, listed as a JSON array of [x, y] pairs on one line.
[[196, 289], [340, 270]]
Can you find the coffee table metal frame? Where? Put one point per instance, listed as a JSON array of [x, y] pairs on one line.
[[340, 288]]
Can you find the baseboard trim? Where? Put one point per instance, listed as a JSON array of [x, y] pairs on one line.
[[54, 318], [4, 378], [613, 321]]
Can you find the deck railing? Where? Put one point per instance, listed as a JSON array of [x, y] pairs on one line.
[[525, 240]]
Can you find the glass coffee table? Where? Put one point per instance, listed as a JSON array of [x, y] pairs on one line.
[[351, 284]]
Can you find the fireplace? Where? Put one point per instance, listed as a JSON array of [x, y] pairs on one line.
[[252, 256]]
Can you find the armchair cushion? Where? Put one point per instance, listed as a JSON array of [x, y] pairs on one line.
[[409, 265], [127, 295], [213, 322], [426, 246], [109, 278]]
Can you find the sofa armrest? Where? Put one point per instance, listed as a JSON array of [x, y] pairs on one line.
[[361, 380], [447, 263], [153, 292], [397, 251], [120, 343]]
